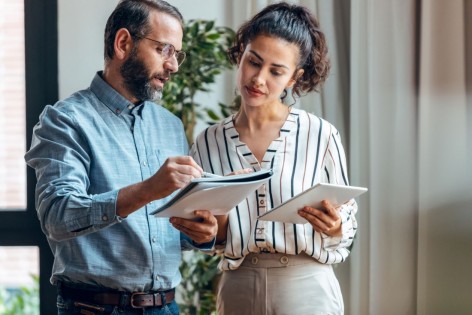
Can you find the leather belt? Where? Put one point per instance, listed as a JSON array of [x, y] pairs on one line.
[[123, 299]]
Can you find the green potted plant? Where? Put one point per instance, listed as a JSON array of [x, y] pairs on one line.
[[199, 279], [23, 301], [205, 45]]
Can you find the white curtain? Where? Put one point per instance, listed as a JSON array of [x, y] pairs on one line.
[[384, 145], [400, 92], [445, 164]]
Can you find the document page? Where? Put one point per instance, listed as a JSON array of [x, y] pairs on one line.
[[216, 194]]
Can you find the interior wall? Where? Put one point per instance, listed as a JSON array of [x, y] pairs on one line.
[[81, 43]]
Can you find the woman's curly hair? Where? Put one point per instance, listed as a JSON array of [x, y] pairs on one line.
[[294, 24]]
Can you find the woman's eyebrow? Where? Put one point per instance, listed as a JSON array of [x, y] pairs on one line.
[[261, 59]]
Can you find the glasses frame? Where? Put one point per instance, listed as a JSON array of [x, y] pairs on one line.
[[167, 49]]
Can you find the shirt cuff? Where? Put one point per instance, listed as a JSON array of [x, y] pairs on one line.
[[104, 208], [187, 243], [332, 243]]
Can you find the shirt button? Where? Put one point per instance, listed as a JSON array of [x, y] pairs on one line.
[[144, 163], [284, 260], [105, 218], [254, 260], [261, 202], [157, 278], [154, 239], [117, 111]]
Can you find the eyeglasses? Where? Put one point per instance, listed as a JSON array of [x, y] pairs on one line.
[[167, 50]]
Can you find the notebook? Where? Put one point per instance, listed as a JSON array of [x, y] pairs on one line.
[[217, 194]]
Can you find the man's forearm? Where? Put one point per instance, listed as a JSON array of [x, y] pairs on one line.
[[133, 197]]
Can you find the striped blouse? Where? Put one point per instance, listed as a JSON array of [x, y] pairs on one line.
[[308, 151]]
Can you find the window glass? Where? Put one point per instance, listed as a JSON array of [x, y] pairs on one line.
[[19, 282], [12, 106]]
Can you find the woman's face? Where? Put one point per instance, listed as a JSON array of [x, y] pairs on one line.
[[266, 68]]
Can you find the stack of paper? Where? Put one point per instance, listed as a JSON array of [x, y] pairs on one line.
[[216, 194]]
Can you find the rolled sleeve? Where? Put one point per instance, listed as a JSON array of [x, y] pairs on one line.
[[81, 215], [348, 228], [61, 159]]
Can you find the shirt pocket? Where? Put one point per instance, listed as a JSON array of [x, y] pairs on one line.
[[163, 154]]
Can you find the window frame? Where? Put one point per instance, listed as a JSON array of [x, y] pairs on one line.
[[21, 228]]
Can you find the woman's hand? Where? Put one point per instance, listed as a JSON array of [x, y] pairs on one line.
[[324, 220], [243, 171]]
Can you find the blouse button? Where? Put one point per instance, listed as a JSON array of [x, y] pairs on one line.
[[284, 260]]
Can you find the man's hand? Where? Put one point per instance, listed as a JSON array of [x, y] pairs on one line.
[[201, 230], [324, 220], [175, 173]]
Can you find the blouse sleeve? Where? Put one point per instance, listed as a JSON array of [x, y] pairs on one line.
[[335, 172]]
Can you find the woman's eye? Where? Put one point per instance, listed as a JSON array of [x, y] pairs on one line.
[[276, 73], [254, 63]]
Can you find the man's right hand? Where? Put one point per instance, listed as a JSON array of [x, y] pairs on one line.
[[175, 173]]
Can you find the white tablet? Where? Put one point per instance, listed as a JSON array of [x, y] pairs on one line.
[[288, 211]]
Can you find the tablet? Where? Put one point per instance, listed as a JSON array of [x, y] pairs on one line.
[[288, 211]]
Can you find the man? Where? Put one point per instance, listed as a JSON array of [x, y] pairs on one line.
[[105, 158]]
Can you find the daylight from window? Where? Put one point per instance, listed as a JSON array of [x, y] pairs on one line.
[[12, 106]]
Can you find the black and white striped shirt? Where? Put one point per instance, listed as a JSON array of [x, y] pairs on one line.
[[308, 151]]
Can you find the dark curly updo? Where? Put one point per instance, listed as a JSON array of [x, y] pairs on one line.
[[294, 24]]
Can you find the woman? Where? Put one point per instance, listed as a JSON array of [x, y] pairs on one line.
[[274, 267]]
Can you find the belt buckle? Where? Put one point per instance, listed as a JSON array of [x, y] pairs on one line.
[[133, 295]]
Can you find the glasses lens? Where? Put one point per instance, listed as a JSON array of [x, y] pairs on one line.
[[167, 51], [180, 57]]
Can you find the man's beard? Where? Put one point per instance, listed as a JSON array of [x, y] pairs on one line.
[[137, 79]]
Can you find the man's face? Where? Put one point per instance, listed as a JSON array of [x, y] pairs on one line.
[[145, 71], [137, 78]]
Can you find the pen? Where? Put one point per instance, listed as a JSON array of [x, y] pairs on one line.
[[205, 174]]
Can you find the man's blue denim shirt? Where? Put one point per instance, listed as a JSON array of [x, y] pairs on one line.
[[84, 149]]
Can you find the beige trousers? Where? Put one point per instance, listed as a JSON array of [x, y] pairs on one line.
[[278, 284]]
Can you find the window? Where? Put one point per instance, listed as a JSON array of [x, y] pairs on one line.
[[12, 106], [28, 81]]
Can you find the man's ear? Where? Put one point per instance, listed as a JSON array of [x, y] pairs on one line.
[[123, 43], [297, 75]]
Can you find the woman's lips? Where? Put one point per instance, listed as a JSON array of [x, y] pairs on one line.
[[254, 92]]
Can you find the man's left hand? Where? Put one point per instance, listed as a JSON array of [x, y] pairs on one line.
[[201, 230]]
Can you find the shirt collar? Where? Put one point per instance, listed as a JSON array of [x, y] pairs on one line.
[[109, 96]]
